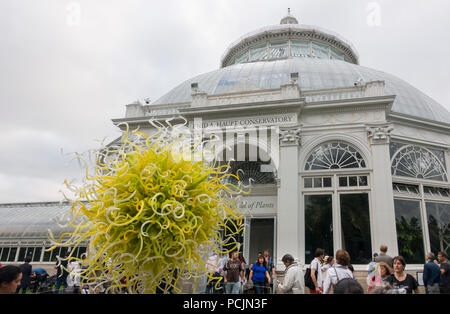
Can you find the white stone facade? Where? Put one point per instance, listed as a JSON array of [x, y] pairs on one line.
[[365, 123]]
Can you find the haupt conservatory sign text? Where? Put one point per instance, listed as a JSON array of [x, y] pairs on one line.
[[251, 121]]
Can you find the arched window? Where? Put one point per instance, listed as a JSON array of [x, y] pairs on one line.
[[422, 209], [418, 162], [252, 171], [252, 166], [334, 155], [336, 202]]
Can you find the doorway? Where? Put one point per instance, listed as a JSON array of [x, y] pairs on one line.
[[262, 236]]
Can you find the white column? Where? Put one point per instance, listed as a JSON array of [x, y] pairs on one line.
[[382, 212], [288, 229]]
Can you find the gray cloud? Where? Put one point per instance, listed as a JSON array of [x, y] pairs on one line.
[[61, 84]]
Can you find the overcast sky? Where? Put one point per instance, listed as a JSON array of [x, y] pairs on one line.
[[68, 67]]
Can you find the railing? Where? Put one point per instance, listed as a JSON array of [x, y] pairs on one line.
[[238, 288]]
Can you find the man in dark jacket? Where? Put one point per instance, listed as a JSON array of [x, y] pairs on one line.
[[62, 273], [445, 273], [431, 275], [26, 269]]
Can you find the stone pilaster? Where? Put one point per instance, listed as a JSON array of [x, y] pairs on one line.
[[289, 226], [382, 210]]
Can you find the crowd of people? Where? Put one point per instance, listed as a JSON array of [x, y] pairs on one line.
[[24, 279], [386, 274], [232, 275], [326, 274]]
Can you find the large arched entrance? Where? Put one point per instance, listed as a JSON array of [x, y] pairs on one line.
[[255, 168]]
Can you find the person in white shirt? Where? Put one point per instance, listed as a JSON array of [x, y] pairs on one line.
[[328, 261], [74, 278], [338, 271], [293, 282], [316, 272]]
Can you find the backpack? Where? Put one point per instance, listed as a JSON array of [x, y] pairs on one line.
[[337, 281], [308, 279]]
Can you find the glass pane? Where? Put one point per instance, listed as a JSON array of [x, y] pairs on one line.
[[317, 182], [326, 182], [353, 181], [54, 255], [320, 50], [4, 256], [355, 226], [439, 227], [363, 181], [300, 48], [336, 55], [343, 181], [278, 51], [318, 225], [37, 254], [444, 192], [261, 237], [30, 252], [12, 254], [242, 58], [47, 255], [259, 53], [417, 162], [22, 252], [308, 182], [413, 189], [409, 231], [334, 156]]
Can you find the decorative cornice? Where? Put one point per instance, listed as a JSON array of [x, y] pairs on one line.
[[419, 121], [380, 134], [353, 104]]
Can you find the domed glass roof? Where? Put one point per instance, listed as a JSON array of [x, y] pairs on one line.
[[314, 74], [264, 59]]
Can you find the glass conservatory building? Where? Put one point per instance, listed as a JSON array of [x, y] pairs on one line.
[[24, 232], [340, 155]]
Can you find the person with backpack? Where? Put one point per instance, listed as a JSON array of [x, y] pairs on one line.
[[314, 279], [338, 271]]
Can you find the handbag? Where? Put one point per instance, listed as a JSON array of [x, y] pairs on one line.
[[308, 279]]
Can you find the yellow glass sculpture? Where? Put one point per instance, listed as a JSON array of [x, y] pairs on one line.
[[150, 215]]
